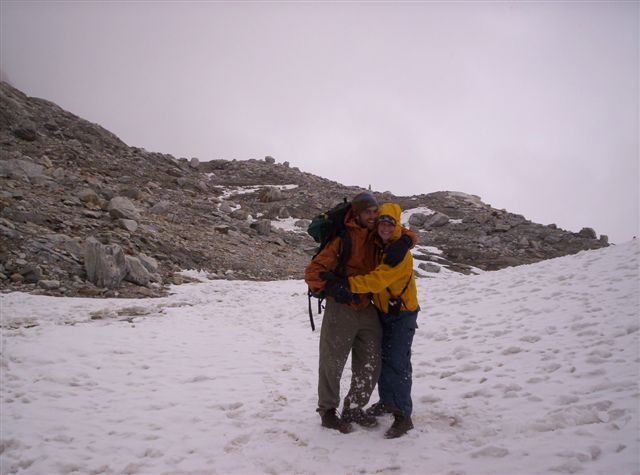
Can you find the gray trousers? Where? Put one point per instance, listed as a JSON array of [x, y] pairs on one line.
[[347, 330]]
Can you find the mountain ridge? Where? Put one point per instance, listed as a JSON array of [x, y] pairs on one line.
[[83, 213]]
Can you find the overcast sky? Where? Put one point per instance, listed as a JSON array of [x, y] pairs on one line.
[[533, 106]]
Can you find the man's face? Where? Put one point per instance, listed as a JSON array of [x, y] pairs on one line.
[[367, 218]]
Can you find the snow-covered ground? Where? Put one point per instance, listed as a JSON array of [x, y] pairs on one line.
[[528, 370]]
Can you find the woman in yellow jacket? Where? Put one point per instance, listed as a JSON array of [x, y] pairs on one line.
[[395, 297]]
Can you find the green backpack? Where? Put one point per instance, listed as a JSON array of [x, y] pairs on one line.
[[323, 229]]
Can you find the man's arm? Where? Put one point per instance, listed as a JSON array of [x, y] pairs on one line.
[[396, 251], [325, 261]]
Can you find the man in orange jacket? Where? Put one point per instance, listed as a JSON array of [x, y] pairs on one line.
[[350, 322]]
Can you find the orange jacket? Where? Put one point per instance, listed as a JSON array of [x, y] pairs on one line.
[[362, 258]]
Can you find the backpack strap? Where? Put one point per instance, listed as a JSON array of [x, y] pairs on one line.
[[403, 289], [345, 252]]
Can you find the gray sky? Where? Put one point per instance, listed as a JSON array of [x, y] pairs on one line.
[[534, 106]]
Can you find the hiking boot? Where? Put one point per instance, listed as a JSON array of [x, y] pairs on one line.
[[331, 421], [401, 425], [378, 409], [360, 417]]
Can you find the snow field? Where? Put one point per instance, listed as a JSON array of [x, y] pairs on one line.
[[528, 370]]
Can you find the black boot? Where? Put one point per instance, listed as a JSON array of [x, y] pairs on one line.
[[360, 417], [401, 425], [332, 421]]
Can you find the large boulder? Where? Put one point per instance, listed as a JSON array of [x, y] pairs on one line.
[[105, 264], [20, 169], [436, 220], [121, 207], [417, 219], [137, 273]]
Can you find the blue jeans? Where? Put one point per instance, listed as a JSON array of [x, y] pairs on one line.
[[394, 385]]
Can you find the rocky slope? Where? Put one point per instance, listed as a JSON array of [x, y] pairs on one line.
[[82, 213]]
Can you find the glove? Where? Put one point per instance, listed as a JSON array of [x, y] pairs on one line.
[[397, 250], [328, 276], [338, 288]]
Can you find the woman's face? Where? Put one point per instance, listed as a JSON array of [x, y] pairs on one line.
[[385, 230]]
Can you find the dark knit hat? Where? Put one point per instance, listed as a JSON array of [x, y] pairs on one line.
[[362, 201], [385, 218]]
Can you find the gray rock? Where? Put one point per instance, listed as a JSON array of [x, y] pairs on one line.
[[90, 198], [269, 195], [604, 239], [26, 131], [194, 163], [436, 220], [31, 273], [302, 223], [121, 207], [225, 207], [262, 226], [588, 233], [283, 213], [240, 214], [285, 164], [417, 219], [128, 224], [65, 243], [501, 226], [269, 160], [426, 266], [105, 265], [20, 169], [136, 272], [161, 208], [148, 262], [49, 284]]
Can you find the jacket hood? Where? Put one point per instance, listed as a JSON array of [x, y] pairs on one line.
[[393, 210]]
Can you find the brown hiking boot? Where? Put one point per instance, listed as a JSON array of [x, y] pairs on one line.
[[360, 417], [331, 421], [401, 425]]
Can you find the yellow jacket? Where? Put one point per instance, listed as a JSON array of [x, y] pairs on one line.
[[392, 278]]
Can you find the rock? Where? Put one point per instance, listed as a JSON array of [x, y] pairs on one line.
[[501, 227], [105, 264], [285, 164], [262, 226], [194, 163], [225, 207], [302, 223], [149, 263], [269, 195], [49, 284], [26, 131], [435, 220], [161, 208], [283, 213], [604, 239], [417, 219], [90, 198], [426, 266], [239, 214], [16, 278], [121, 207], [269, 160], [20, 169], [588, 233], [31, 273], [128, 224], [136, 272]]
